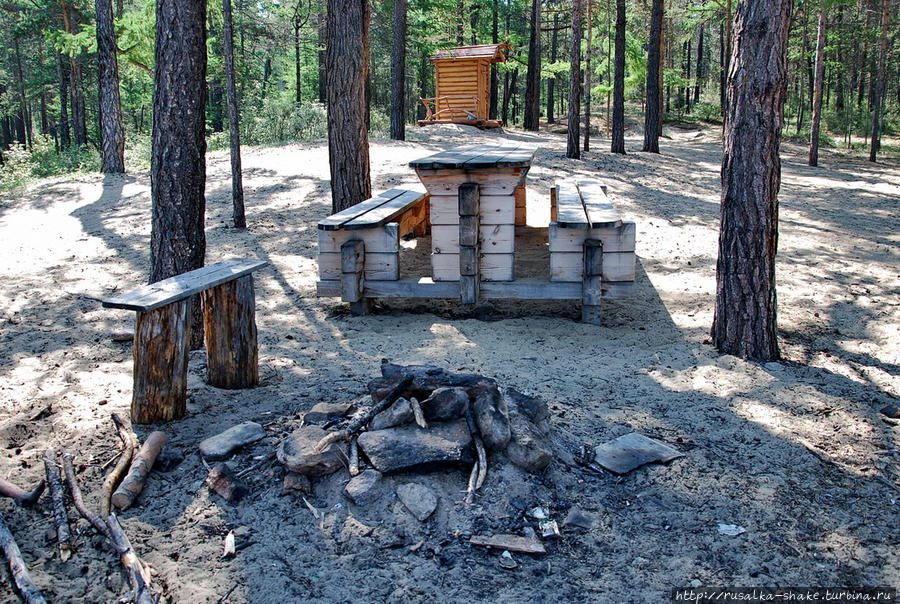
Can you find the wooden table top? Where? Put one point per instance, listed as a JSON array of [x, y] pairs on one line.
[[470, 157]]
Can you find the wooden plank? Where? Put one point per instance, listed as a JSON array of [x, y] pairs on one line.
[[377, 239], [379, 267], [599, 210], [387, 212], [591, 290], [615, 239], [353, 255], [336, 221], [569, 209], [495, 238], [182, 286], [495, 209], [520, 289], [496, 159], [468, 199], [553, 193], [493, 267], [446, 182], [617, 266]]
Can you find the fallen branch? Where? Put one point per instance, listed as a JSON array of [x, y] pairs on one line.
[[359, 424], [266, 459], [138, 577], [60, 519], [75, 492], [418, 413], [141, 464], [129, 443], [479, 470], [17, 567], [22, 497], [354, 457]]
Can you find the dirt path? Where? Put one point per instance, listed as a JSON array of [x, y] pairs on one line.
[[746, 428]]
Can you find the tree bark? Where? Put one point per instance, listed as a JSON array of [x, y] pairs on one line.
[[653, 117], [347, 62], [618, 121], [398, 73], [234, 126], [178, 167], [879, 82], [699, 71], [79, 127], [112, 131], [25, 135], [533, 76], [588, 80], [64, 140], [495, 37], [817, 91], [573, 138], [323, 79], [551, 81], [744, 322]]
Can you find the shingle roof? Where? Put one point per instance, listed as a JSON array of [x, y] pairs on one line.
[[482, 51]]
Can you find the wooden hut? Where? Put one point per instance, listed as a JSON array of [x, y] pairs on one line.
[[463, 94]]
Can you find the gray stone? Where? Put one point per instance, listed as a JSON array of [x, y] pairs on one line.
[[365, 488], [892, 411], [221, 445], [532, 407], [631, 451], [324, 412], [445, 404], [297, 453], [492, 416], [418, 499], [407, 447], [579, 519], [396, 415], [527, 448]]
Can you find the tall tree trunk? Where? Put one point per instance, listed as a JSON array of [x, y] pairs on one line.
[[745, 319], [398, 73], [474, 9], [840, 56], [688, 89], [495, 37], [320, 56], [533, 77], [79, 123], [551, 81], [112, 130], [817, 91], [460, 23], [699, 71], [653, 117], [588, 79], [347, 63], [573, 138], [64, 141], [880, 78], [234, 127], [178, 167], [423, 84], [25, 128], [723, 69], [298, 63], [618, 121]]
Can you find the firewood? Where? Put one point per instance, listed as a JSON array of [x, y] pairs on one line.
[[223, 482], [75, 492], [358, 425], [22, 497], [353, 465], [418, 413], [133, 483], [60, 519], [479, 470], [138, 576], [17, 568], [129, 443]]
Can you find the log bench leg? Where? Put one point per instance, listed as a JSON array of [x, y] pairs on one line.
[[229, 321], [353, 264], [469, 250], [591, 286], [161, 344]]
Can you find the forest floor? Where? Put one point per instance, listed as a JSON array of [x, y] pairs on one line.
[[796, 452]]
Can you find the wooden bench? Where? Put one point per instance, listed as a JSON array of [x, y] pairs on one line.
[[162, 335], [590, 243], [362, 243]]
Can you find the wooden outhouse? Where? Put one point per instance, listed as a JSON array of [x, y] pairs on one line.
[[462, 86]]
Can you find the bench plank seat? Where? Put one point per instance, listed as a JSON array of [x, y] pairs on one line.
[[386, 212], [569, 209], [182, 286], [600, 212], [336, 222]]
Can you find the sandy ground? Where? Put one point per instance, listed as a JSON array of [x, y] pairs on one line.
[[746, 429]]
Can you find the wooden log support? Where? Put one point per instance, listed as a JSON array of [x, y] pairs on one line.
[[161, 345], [229, 321], [592, 283], [469, 249], [353, 265]]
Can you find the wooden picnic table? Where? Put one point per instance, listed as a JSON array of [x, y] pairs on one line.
[[489, 179]]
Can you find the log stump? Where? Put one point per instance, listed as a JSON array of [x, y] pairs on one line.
[[161, 345], [229, 321]]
